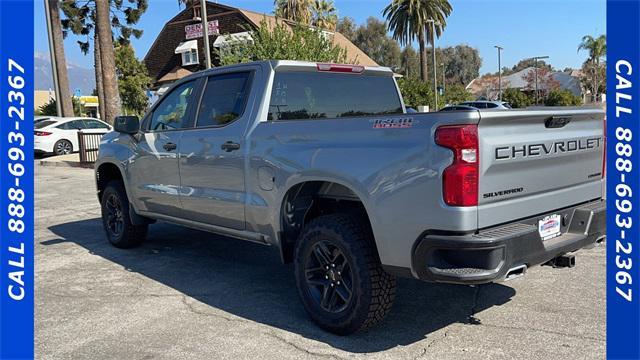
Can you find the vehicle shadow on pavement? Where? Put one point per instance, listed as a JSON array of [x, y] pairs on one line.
[[249, 281]]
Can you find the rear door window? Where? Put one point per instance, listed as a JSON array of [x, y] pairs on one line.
[[315, 95], [224, 99]]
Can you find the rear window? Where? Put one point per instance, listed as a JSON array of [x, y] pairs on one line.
[[43, 123], [308, 95]]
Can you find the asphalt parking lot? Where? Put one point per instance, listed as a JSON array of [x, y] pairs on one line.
[[186, 294]]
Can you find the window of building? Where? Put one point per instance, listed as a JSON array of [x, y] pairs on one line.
[[224, 99], [190, 57]]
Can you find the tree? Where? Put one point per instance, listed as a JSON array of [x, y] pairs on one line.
[[546, 82], [591, 72], [455, 94], [107, 57], [562, 98], [61, 62], [416, 92], [410, 63], [462, 64], [283, 42], [597, 48], [347, 27], [408, 20], [516, 98], [294, 10], [524, 64], [324, 14], [80, 19], [50, 108], [133, 80], [373, 40]]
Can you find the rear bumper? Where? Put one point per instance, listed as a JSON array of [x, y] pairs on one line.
[[489, 254]]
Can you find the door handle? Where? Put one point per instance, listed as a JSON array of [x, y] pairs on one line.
[[230, 146], [169, 146]]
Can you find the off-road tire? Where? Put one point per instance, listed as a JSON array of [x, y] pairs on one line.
[[129, 235], [373, 290]]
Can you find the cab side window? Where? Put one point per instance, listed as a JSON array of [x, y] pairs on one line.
[[224, 99], [173, 112]]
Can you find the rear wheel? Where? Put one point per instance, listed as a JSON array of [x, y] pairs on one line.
[[62, 147], [339, 276], [117, 224]]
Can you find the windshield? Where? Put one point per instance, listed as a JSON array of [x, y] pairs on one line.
[[43, 123]]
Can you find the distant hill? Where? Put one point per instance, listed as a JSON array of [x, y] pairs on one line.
[[79, 78]]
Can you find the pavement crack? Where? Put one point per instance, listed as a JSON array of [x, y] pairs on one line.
[[193, 309], [301, 349], [545, 331]]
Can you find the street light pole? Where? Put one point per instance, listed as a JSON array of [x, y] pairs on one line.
[[535, 67], [433, 50], [205, 32], [499, 71]]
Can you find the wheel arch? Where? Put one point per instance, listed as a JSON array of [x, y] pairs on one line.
[[307, 199]]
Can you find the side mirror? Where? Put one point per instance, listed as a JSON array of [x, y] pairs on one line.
[[127, 124]]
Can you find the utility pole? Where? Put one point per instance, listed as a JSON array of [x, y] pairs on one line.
[[535, 66], [52, 54], [205, 32], [499, 71], [433, 50]]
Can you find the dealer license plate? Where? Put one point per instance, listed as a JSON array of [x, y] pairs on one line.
[[549, 227]]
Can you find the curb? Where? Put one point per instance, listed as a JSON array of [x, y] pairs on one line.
[[72, 164]]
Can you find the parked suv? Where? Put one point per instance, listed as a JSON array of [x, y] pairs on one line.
[[322, 162]]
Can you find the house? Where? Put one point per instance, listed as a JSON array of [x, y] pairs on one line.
[[487, 86], [179, 48]]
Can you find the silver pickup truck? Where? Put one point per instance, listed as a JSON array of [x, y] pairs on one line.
[[322, 162]]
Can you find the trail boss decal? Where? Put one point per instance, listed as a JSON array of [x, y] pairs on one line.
[[403, 123]]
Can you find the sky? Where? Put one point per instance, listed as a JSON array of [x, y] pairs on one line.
[[524, 28]]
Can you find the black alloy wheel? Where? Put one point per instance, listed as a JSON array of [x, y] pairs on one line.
[[114, 222], [329, 277]]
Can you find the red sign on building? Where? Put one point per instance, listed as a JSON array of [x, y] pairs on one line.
[[194, 31]]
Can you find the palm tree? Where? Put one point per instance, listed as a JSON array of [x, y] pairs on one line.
[[107, 58], [410, 19], [597, 48], [294, 10], [324, 14], [61, 63]]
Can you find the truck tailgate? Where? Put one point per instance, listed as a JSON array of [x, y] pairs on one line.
[[536, 161]]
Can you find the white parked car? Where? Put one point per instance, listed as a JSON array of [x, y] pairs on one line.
[[59, 136]]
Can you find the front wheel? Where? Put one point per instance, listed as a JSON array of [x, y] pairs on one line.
[[339, 276], [121, 233]]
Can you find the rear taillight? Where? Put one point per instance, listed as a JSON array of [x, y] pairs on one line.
[[41, 133], [341, 68], [460, 179]]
